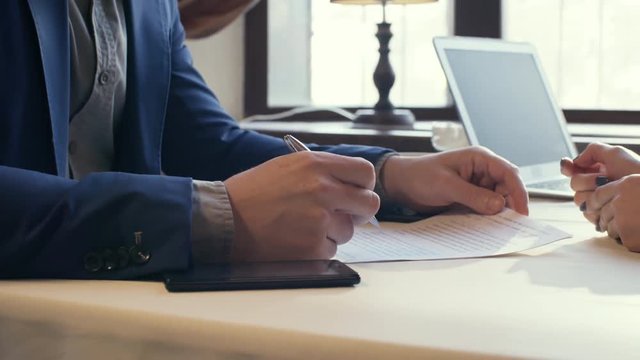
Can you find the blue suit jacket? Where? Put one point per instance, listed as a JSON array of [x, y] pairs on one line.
[[172, 123]]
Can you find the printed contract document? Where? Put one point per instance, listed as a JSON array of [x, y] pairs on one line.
[[449, 236]]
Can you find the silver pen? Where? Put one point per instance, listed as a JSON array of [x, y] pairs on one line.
[[296, 145]]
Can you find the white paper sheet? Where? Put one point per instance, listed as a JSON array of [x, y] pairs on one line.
[[449, 236]]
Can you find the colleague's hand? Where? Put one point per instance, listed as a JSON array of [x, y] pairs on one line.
[[606, 191], [596, 166], [600, 159], [474, 177], [614, 208], [300, 206]]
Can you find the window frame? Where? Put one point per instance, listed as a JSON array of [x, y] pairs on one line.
[[471, 18]]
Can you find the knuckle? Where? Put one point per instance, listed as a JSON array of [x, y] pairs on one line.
[[633, 245], [481, 150], [591, 217], [330, 250], [374, 202], [342, 228], [345, 234], [309, 158], [616, 202], [618, 149], [624, 224], [478, 148], [595, 144], [632, 181], [362, 162], [321, 218], [366, 168], [627, 183], [324, 249], [319, 186], [573, 183]]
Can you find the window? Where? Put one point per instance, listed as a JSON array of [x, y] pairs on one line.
[[587, 48], [340, 53], [314, 53]]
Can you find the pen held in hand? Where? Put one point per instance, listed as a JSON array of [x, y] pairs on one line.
[[295, 146]]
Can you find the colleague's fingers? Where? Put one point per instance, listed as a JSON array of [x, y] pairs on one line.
[[477, 198], [629, 239], [594, 153], [566, 167], [606, 216], [592, 216], [580, 198], [585, 182], [612, 230], [340, 228], [569, 168], [601, 196]]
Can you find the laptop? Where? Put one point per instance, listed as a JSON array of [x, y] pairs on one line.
[[505, 104]]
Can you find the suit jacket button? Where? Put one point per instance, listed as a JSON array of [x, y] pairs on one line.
[[93, 262], [110, 259], [104, 78], [138, 256]]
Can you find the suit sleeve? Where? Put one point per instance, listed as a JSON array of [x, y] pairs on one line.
[[59, 228], [202, 141]]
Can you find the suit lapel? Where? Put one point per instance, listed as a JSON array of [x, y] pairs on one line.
[[139, 138], [51, 20]]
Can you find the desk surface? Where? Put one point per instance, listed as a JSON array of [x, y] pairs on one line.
[[577, 298]]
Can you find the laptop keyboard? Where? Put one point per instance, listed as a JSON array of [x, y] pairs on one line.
[[556, 184]]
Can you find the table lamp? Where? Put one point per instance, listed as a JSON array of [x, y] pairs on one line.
[[383, 114]]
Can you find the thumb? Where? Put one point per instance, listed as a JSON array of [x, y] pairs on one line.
[[479, 199]]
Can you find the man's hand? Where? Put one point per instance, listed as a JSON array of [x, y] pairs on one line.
[[300, 206], [474, 177]]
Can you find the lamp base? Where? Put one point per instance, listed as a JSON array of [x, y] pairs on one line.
[[379, 119]]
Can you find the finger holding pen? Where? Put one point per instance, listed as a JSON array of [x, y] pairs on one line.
[[300, 206], [349, 171]]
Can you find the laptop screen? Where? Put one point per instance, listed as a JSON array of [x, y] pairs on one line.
[[508, 104]]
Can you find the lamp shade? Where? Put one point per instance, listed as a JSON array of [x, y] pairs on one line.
[[375, 2]]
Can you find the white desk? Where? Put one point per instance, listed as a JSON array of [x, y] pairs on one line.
[[577, 298]]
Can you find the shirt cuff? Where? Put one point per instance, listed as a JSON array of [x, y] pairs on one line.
[[212, 228], [387, 206], [379, 188]]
